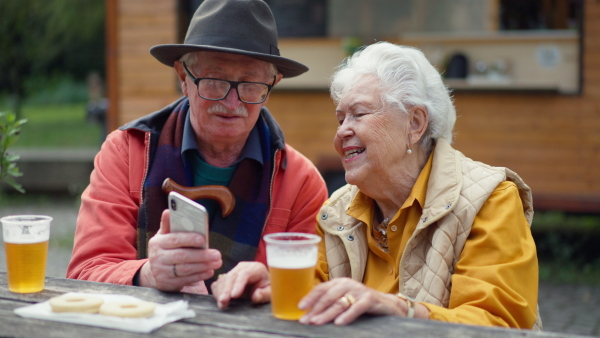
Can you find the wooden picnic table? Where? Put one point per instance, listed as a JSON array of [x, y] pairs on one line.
[[242, 319]]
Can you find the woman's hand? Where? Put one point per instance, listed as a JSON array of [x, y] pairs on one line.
[[177, 260], [247, 279], [342, 300]]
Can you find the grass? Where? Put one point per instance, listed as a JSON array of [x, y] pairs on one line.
[[55, 109], [567, 247], [560, 221], [57, 126], [568, 273]]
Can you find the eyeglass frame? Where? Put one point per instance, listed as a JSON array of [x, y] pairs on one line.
[[232, 84]]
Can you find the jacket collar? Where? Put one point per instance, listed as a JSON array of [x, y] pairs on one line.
[[154, 122], [445, 182], [443, 191]]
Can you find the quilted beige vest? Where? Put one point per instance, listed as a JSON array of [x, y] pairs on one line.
[[457, 188]]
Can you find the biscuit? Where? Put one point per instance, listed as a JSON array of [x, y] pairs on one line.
[[76, 303], [131, 309]]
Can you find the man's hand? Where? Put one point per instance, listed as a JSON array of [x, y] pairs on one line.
[[176, 260], [247, 279]]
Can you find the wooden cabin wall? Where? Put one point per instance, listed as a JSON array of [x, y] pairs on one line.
[[551, 140], [144, 84]]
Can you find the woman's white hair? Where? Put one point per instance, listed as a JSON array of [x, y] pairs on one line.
[[407, 80]]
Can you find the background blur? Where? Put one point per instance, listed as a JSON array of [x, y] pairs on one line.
[[525, 77]]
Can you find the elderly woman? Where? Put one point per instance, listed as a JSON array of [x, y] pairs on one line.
[[420, 230]]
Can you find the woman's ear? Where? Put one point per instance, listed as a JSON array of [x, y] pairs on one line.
[[418, 124], [181, 75]]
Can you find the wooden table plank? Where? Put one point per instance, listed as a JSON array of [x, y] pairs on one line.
[[241, 319]]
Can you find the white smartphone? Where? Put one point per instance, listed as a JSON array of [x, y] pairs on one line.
[[187, 216]]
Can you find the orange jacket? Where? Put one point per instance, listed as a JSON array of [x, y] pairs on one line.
[[105, 240]]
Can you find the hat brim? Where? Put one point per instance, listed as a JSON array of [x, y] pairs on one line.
[[169, 53]]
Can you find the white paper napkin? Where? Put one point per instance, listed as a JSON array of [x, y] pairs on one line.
[[163, 314]]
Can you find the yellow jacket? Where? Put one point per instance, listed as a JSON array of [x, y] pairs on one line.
[[460, 244]]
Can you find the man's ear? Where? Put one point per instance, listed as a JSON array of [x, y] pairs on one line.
[[278, 78], [419, 120], [181, 76]]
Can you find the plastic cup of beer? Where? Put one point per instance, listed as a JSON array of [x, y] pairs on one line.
[[26, 247], [291, 258]]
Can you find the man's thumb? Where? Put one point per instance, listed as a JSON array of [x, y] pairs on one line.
[[165, 224]]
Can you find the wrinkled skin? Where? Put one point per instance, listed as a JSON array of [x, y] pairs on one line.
[[221, 129], [372, 142]]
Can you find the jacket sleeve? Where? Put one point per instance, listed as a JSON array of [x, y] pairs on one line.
[[311, 194], [495, 281], [299, 191], [105, 239]]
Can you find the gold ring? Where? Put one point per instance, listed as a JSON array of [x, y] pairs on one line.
[[221, 275], [348, 299], [175, 270]]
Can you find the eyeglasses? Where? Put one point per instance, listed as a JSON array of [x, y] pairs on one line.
[[217, 89]]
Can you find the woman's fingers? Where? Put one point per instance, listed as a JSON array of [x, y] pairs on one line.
[[325, 302], [311, 300], [362, 304], [329, 313], [342, 301]]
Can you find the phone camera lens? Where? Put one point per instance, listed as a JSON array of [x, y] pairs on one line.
[[173, 205]]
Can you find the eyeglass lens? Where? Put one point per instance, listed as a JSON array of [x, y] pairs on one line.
[[214, 89]]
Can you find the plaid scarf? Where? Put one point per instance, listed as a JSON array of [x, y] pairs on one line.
[[237, 236]]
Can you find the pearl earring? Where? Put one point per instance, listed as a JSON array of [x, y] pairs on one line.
[[408, 151]]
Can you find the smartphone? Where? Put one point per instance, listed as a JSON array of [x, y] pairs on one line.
[[187, 215]]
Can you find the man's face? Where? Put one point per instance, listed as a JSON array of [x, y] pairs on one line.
[[227, 121]]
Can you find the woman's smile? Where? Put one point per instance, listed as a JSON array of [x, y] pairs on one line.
[[351, 153]]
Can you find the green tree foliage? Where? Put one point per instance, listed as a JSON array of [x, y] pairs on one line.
[[10, 128], [48, 38]]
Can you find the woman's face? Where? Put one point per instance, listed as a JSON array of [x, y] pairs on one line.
[[371, 139]]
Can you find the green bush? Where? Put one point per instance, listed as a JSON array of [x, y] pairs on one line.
[[567, 247], [55, 90], [10, 130], [561, 221]]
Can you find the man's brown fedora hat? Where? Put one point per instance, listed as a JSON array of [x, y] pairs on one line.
[[245, 27]]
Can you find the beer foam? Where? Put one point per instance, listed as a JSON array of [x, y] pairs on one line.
[[286, 262], [25, 229], [17, 235]]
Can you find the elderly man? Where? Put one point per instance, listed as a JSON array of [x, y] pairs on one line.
[[218, 134]]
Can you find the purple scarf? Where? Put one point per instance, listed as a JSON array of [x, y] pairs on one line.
[[237, 236]]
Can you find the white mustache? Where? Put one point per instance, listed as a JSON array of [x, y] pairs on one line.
[[240, 111]]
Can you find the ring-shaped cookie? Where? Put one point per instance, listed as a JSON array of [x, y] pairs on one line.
[[132, 309], [76, 303]]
